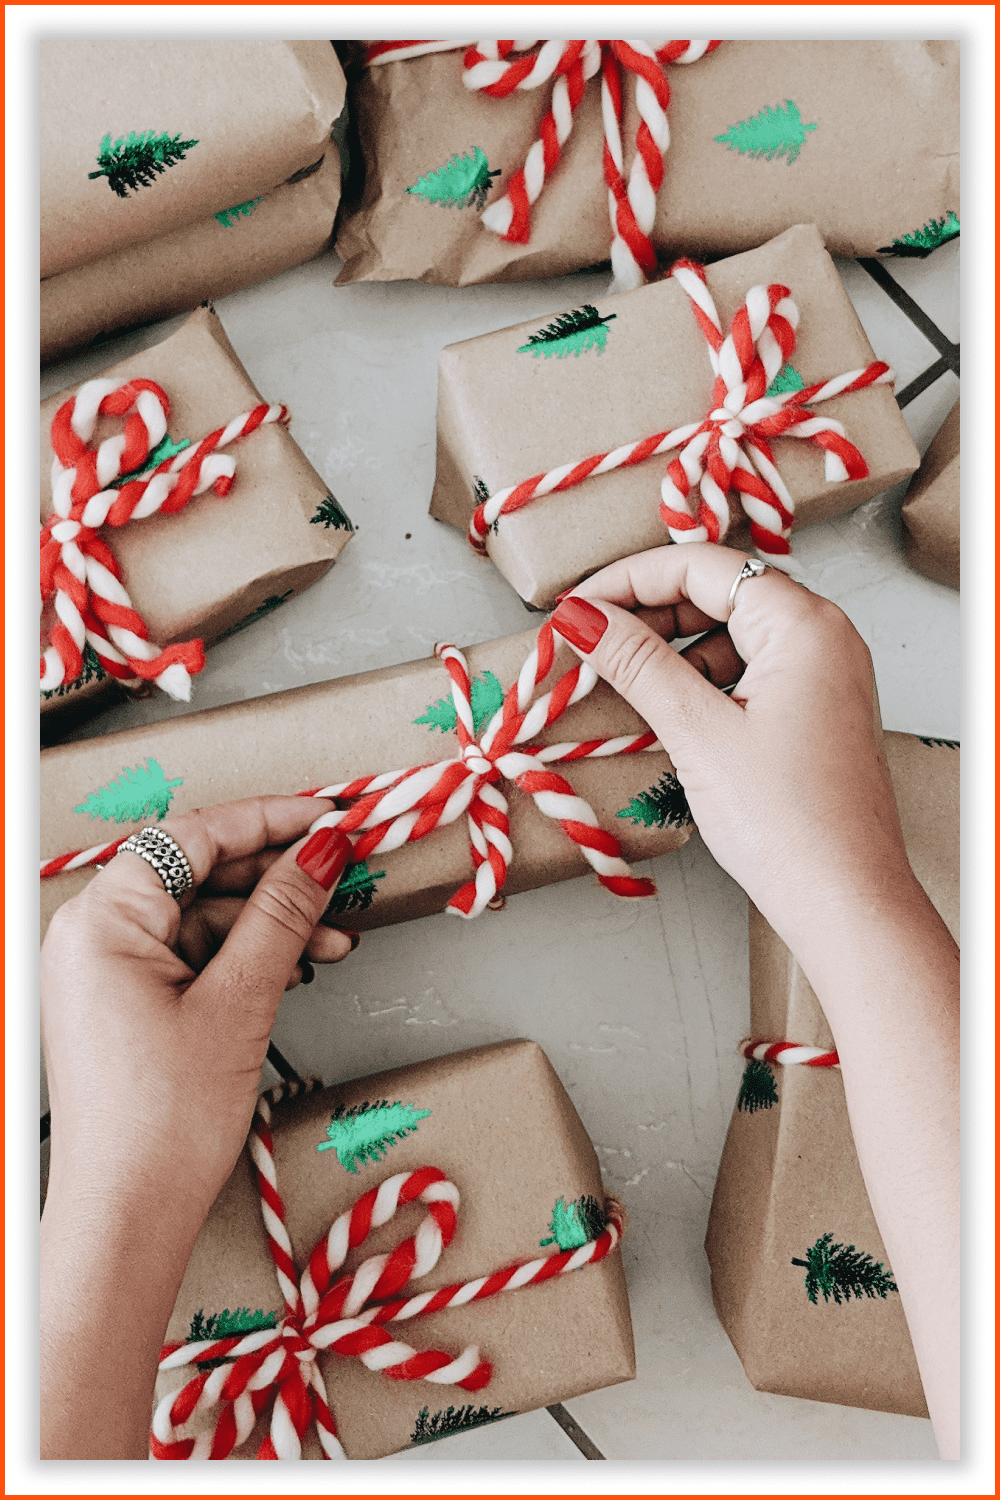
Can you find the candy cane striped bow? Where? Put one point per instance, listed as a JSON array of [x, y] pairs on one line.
[[493, 68], [728, 450], [81, 582], [218, 1408], [787, 1054], [402, 806]]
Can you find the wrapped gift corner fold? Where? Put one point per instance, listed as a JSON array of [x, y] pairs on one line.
[[931, 509], [549, 777], [190, 544], [142, 138], [511, 1296], [497, 161], [734, 402], [800, 1276]]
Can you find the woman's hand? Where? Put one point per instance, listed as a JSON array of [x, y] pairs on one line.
[[155, 1020], [786, 780]]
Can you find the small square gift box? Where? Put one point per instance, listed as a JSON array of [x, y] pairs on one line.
[[174, 504], [506, 160], [728, 403], [800, 1276], [140, 138], [236, 247], [931, 511], [376, 1274], [519, 768]]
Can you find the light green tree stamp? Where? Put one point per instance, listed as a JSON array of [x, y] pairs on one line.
[[137, 159], [463, 182], [571, 333], [365, 1132], [138, 792], [769, 135]]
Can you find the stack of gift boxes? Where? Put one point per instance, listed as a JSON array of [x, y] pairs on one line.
[[562, 444]]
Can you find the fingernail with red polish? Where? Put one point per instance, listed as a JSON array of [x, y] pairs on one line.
[[564, 595], [580, 623], [325, 856]]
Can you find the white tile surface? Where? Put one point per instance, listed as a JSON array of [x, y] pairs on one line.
[[640, 1005], [933, 284]]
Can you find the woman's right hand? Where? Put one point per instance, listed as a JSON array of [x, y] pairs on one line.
[[786, 779]]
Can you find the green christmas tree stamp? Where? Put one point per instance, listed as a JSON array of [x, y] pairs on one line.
[[480, 489], [165, 448], [226, 1324], [570, 333], [486, 698], [365, 1132], [841, 1272], [270, 604], [573, 1224], [227, 217], [136, 160], [91, 671], [922, 241], [787, 379], [757, 1088], [428, 1429], [948, 744], [330, 513], [463, 182], [663, 805], [138, 792], [356, 891], [769, 135]]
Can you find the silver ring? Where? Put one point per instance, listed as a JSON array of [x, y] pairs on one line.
[[166, 857], [752, 568]]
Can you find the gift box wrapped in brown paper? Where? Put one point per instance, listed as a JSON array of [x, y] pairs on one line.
[[140, 138], [859, 137], [545, 1342], [221, 561], [931, 512], [521, 402], [790, 1215], [174, 272], [331, 733]]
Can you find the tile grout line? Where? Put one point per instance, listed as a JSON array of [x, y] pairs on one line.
[[906, 304], [282, 1066], [927, 378], [574, 1431]]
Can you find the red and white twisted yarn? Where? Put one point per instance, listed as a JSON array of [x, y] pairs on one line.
[[493, 68], [787, 1054], [729, 449], [399, 807], [80, 577], [217, 1409]]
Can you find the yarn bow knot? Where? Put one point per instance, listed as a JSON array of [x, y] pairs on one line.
[[402, 806], [239, 1374], [112, 484]]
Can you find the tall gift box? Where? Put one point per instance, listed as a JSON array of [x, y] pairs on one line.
[[585, 779], [800, 1276], [551, 398], [482, 163], [513, 1180], [931, 509], [223, 560]]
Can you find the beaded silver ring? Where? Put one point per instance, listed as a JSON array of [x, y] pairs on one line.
[[752, 568], [163, 855]]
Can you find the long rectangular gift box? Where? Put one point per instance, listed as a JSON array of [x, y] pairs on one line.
[[539, 398], [749, 137], [516, 1347], [140, 138], [221, 561], [800, 1276], [345, 732], [931, 510], [237, 246]]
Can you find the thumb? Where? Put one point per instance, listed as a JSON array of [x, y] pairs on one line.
[[676, 701], [263, 947]]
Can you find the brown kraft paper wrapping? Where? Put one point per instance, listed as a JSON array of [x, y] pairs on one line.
[[789, 1172], [333, 732], [216, 563], [254, 113], [881, 162], [931, 508], [505, 414], [176, 271], [547, 1343]]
